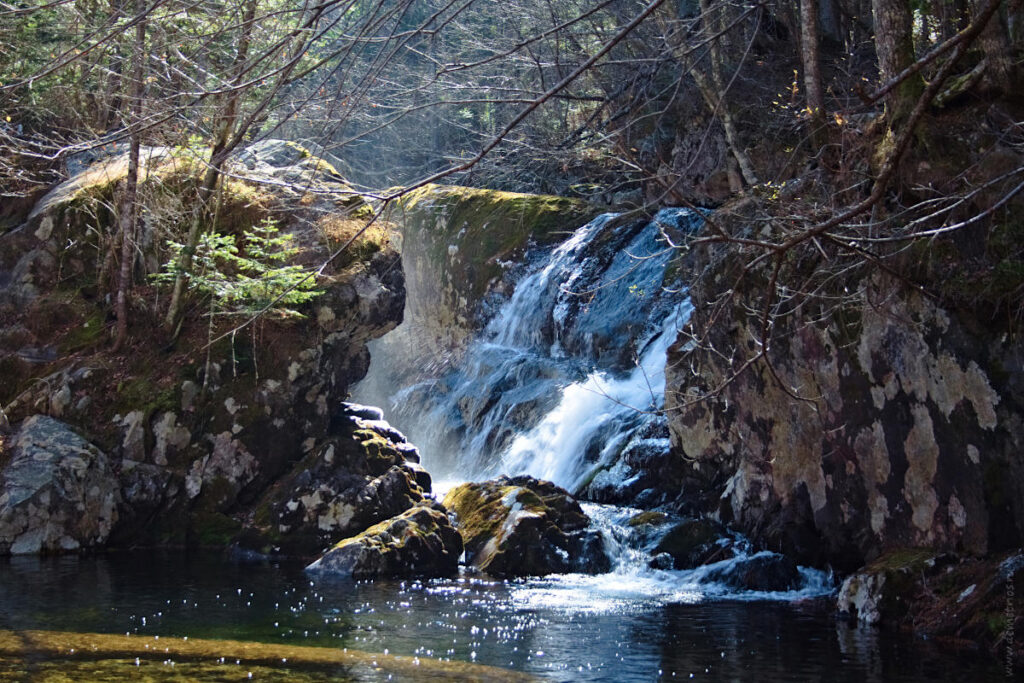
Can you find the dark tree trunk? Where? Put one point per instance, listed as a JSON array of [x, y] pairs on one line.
[[894, 44]]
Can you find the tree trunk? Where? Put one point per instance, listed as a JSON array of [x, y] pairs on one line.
[[129, 205], [830, 21], [810, 55], [714, 94], [995, 44], [894, 44]]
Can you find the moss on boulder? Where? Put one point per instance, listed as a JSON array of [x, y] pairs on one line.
[[521, 526], [419, 542], [458, 245]]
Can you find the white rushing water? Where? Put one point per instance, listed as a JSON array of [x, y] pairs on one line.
[[544, 391], [555, 448], [632, 585]]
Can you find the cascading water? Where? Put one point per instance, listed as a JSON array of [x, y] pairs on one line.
[[566, 383], [569, 372]]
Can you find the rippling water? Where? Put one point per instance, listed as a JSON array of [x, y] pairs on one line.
[[568, 628]]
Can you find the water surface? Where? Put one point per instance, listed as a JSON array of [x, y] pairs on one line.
[[559, 628]]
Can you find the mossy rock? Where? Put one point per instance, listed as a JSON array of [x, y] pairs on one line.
[[651, 517], [521, 526], [467, 233], [419, 542]]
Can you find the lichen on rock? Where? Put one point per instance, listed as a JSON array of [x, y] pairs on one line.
[[58, 492], [884, 453]]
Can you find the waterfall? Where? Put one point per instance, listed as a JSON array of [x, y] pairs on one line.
[[600, 412], [568, 374], [566, 383]]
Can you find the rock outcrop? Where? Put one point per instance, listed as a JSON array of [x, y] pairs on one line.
[[58, 492], [910, 436], [521, 526], [460, 246], [419, 542], [199, 437], [941, 595], [364, 473]]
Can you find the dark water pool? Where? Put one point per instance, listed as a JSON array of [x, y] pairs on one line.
[[611, 636]]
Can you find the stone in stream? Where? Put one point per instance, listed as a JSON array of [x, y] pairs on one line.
[[419, 542], [521, 526], [694, 542], [57, 490], [762, 572]]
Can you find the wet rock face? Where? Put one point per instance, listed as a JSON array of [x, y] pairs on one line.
[[419, 542], [521, 526], [762, 572], [911, 436], [57, 491], [694, 542]]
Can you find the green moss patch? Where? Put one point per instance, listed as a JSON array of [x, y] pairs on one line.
[[651, 517], [54, 655], [213, 529], [486, 226]]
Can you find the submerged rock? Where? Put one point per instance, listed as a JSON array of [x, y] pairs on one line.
[[521, 526], [57, 491], [419, 542]]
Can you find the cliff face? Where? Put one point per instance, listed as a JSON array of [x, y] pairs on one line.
[[910, 434], [194, 435], [461, 245]]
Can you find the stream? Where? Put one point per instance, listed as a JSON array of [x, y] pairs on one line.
[[568, 628], [565, 382]]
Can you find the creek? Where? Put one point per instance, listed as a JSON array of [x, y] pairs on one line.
[[565, 381], [557, 628]]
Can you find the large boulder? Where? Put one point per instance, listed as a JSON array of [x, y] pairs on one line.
[[366, 472], [57, 491], [419, 542], [694, 542], [764, 571], [521, 526]]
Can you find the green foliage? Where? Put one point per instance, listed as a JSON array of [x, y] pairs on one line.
[[246, 281]]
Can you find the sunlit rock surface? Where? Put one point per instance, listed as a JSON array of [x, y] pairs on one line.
[[57, 491], [521, 526], [55, 655], [419, 542]]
